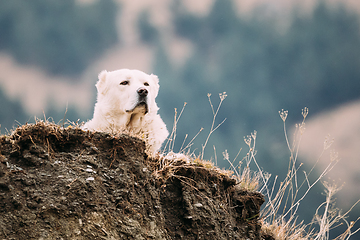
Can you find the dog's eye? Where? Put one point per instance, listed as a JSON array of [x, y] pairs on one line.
[[126, 82], [146, 84]]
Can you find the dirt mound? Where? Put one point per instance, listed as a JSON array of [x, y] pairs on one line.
[[58, 183]]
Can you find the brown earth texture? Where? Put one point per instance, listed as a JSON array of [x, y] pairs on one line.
[[65, 183]]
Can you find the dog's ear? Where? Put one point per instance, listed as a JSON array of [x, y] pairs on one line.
[[155, 78], [101, 84]]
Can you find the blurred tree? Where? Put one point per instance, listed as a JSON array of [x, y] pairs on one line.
[[148, 32], [60, 36], [186, 24], [11, 113], [222, 18], [319, 59]]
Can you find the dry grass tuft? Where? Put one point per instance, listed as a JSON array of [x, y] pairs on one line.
[[279, 215]]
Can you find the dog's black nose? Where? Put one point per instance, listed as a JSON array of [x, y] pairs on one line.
[[142, 92]]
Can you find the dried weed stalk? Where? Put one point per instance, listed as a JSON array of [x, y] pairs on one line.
[[279, 215]]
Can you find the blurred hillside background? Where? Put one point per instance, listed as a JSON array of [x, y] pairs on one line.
[[267, 55]]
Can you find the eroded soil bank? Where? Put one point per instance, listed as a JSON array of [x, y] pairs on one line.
[[58, 183]]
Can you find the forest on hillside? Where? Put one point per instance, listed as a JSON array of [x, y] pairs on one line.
[[313, 63], [263, 67], [62, 37]]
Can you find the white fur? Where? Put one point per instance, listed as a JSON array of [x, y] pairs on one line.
[[117, 109]]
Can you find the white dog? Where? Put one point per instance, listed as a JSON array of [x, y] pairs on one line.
[[126, 104]]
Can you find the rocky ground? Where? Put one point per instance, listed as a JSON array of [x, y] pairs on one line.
[[65, 183]]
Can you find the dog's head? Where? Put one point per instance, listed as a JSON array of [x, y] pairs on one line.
[[128, 91]]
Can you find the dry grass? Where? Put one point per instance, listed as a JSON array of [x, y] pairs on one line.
[[279, 216], [170, 160]]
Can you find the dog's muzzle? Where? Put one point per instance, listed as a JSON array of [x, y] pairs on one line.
[[142, 101]]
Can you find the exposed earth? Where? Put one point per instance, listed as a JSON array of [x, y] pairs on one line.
[[65, 183]]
